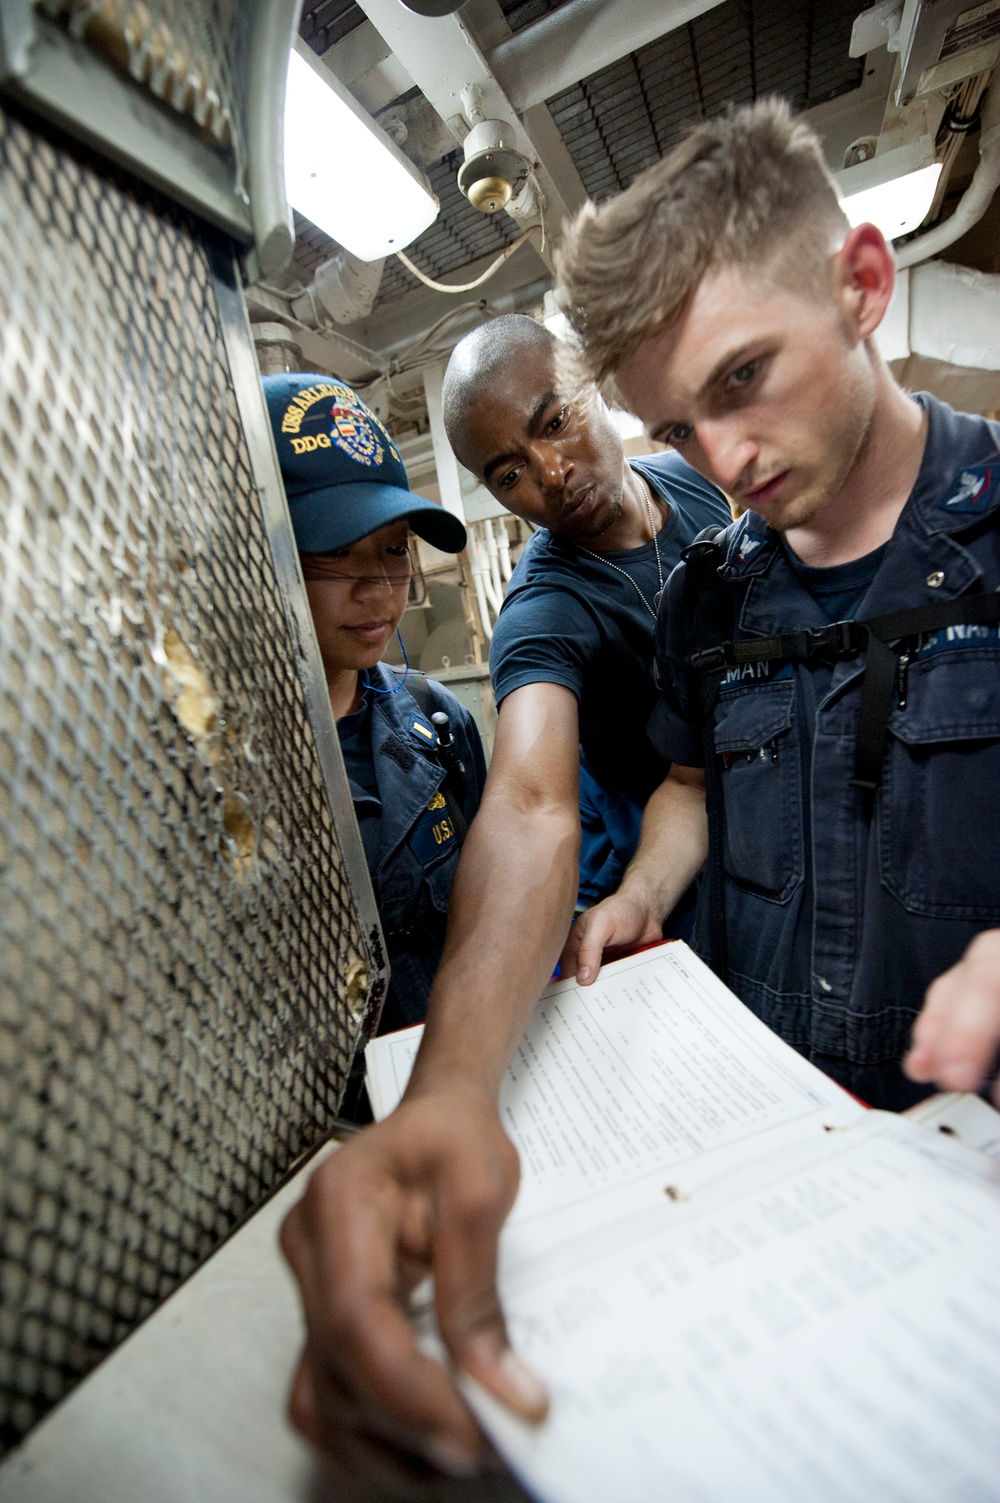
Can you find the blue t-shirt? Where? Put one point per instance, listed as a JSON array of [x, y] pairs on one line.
[[573, 620], [840, 589]]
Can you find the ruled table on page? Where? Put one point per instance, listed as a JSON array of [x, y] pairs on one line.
[[654, 1070], [827, 1334]]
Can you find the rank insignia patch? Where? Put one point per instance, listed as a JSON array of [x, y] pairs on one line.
[[972, 489]]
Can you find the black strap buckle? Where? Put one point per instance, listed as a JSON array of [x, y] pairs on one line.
[[841, 639], [708, 660], [848, 637]]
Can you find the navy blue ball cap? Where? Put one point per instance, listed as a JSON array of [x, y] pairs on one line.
[[342, 472]]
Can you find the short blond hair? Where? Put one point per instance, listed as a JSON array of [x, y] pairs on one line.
[[737, 190]]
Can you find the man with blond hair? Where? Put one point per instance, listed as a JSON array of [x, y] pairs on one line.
[[831, 662], [833, 655]]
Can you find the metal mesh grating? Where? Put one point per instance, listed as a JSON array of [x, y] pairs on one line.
[[624, 118], [193, 54], [175, 922]]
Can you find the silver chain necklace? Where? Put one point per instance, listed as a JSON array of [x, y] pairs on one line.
[[652, 609]]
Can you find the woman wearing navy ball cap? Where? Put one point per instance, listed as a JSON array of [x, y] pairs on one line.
[[352, 512]]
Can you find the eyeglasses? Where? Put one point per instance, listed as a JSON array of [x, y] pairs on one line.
[[395, 571]]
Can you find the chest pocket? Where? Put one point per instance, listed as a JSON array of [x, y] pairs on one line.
[[434, 839], [939, 816], [757, 746]]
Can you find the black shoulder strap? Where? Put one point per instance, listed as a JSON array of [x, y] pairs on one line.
[[708, 620], [888, 642], [708, 605], [885, 669], [884, 663], [453, 786], [419, 689]]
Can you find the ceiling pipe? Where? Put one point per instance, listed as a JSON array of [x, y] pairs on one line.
[[974, 201], [579, 39]]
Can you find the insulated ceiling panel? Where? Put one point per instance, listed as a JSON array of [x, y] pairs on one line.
[[627, 116], [312, 247], [521, 13], [326, 22]]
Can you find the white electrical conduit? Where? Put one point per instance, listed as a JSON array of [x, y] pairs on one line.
[[975, 200], [481, 560], [504, 255], [481, 308], [494, 557], [963, 106], [503, 548], [493, 599], [476, 563]]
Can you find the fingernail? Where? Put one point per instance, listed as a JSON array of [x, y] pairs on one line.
[[528, 1386], [452, 1458], [583, 974]]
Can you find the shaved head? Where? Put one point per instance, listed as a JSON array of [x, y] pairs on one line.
[[547, 452], [482, 361]]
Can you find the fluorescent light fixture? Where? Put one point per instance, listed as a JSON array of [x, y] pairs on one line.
[[893, 190], [897, 207], [342, 171]]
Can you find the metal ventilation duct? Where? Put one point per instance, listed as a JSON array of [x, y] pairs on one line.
[[578, 39]]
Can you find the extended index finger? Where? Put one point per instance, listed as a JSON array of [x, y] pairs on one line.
[[468, 1306], [347, 1241]]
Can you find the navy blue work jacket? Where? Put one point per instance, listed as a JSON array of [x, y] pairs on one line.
[[410, 844], [840, 911]]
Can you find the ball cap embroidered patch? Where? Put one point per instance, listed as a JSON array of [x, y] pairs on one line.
[[343, 474]]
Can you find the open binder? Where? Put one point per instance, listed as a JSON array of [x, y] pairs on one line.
[[738, 1282]]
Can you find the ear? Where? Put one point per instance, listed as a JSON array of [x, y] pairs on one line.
[[865, 275]]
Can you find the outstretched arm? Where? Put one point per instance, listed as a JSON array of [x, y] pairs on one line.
[[427, 1191], [671, 853]]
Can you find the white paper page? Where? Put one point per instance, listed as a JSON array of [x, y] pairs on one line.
[[969, 1118], [655, 1072], [828, 1335], [388, 1062]]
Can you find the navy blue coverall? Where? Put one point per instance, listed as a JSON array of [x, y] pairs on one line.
[[410, 842], [840, 909]]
